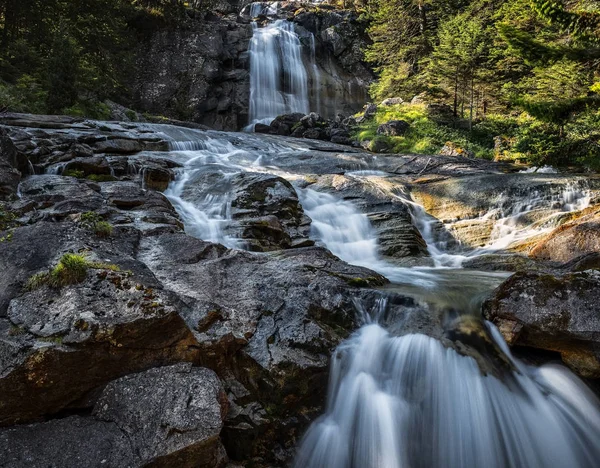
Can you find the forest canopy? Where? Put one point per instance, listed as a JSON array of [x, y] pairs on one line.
[[526, 70]]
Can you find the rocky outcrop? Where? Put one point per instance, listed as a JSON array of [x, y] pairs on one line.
[[311, 126], [554, 313], [481, 209], [9, 175], [572, 239], [267, 213], [152, 296], [167, 416]]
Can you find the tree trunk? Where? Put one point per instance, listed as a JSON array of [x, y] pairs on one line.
[[471, 103]]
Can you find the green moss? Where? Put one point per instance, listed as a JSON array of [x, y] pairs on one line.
[[52, 339], [74, 173], [425, 135]]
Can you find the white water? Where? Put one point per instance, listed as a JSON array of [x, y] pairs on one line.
[[278, 77], [408, 401]]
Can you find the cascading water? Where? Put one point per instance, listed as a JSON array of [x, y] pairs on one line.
[[278, 77], [408, 401]]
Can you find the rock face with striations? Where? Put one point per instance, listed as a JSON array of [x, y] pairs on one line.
[[554, 313]]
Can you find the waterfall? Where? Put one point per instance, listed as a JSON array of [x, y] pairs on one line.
[[278, 77], [408, 401]]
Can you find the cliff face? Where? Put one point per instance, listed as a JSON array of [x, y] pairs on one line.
[[200, 70]]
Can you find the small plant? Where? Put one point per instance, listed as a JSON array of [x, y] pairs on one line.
[[71, 269], [94, 222], [74, 173]]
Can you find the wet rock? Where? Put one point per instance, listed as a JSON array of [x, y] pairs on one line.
[[285, 124], [267, 213], [262, 128], [571, 240], [280, 321], [87, 166], [393, 128], [118, 146], [167, 416], [398, 237], [9, 175], [156, 178], [555, 313]]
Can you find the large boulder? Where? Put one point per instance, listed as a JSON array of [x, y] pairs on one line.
[[167, 416], [554, 313], [393, 128], [571, 240]]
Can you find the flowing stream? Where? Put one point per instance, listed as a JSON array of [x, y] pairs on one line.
[[409, 401]]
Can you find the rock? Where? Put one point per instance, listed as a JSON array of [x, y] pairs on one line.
[[280, 321], [117, 146], [392, 101], [312, 120], [87, 166], [167, 416], [450, 149], [393, 128], [554, 313], [314, 133], [156, 178], [121, 113], [571, 240], [111, 324], [379, 145], [398, 237], [9, 175], [369, 112], [262, 128], [284, 124], [420, 98]]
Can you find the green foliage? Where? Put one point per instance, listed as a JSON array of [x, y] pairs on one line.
[[425, 135], [71, 269], [490, 61], [65, 56], [94, 222]]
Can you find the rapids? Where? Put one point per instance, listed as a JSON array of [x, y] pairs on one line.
[[409, 401]]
